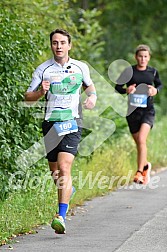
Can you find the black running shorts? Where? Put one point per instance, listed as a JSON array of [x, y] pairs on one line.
[[55, 144], [140, 116]]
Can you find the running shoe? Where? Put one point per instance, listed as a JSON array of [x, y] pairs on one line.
[[58, 224], [146, 174], [138, 178]]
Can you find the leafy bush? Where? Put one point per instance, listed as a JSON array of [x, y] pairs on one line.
[[19, 49]]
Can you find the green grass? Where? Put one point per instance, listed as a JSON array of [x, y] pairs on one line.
[[102, 173], [25, 210], [157, 144]]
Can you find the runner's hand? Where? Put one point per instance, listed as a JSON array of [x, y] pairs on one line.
[[152, 90], [90, 102], [131, 89], [45, 86]]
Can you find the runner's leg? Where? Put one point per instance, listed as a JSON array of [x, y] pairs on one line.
[[54, 172], [64, 183], [140, 139]]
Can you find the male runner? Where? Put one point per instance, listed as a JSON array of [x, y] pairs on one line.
[[60, 80], [142, 86]]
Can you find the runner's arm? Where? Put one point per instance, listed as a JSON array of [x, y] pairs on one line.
[[37, 94], [125, 79], [157, 82], [120, 89], [153, 90], [90, 102], [90, 90]]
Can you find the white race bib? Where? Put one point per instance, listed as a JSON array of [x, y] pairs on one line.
[[66, 127], [138, 100]]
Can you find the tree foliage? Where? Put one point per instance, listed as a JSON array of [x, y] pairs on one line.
[[129, 23], [126, 24]]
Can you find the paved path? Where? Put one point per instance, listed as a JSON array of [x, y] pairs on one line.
[[130, 219]]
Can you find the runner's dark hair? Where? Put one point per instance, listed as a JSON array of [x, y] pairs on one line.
[[61, 31]]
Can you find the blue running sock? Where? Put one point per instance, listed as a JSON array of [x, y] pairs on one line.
[[63, 209]]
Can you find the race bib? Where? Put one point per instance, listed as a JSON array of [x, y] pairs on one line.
[[66, 127], [138, 100]]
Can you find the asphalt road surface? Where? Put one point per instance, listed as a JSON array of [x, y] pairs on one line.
[[133, 218]]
